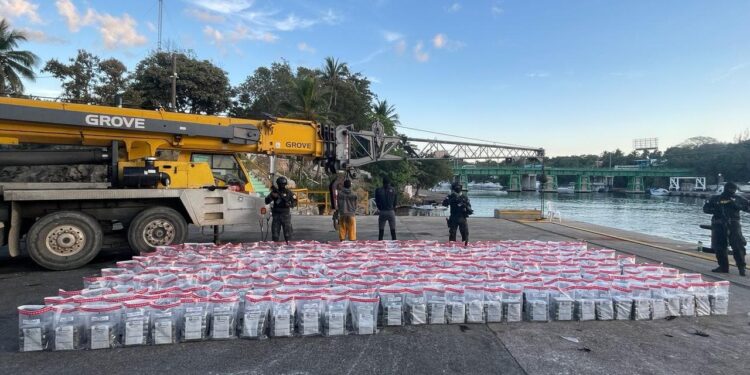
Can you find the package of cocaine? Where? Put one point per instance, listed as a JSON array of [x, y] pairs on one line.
[[255, 315], [512, 305], [165, 314], [136, 323], [309, 311], [392, 306], [493, 304], [475, 304], [455, 308], [335, 318], [416, 306], [435, 296], [34, 327], [282, 317], [719, 298], [364, 312], [102, 325], [537, 304], [642, 308]]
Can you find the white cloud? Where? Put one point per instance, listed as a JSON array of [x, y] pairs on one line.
[[419, 53], [41, 37], [215, 35], [292, 22], [438, 41], [540, 74], [224, 6], [304, 47], [243, 33], [115, 31], [12, 9], [151, 27], [119, 31], [392, 36], [453, 8], [68, 10], [441, 41], [205, 16]]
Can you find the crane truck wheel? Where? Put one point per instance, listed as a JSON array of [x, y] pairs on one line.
[[156, 226], [64, 240]]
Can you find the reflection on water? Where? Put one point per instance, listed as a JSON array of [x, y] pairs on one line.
[[671, 217]]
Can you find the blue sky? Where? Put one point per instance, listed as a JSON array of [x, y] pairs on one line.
[[570, 76]]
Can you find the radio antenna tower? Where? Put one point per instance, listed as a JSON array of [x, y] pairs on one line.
[[161, 5]]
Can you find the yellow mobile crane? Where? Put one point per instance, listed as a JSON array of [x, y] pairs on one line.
[[203, 181]]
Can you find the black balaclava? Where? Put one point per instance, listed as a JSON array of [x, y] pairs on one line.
[[456, 187], [730, 188]]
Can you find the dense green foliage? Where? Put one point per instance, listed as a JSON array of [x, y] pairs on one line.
[[202, 87], [86, 78], [704, 155]]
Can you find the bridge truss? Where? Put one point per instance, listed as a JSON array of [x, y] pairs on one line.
[[435, 148]]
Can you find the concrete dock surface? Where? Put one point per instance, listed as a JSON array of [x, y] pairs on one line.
[[699, 345]]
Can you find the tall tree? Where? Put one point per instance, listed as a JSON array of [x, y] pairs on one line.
[[201, 86], [14, 64], [431, 172], [264, 91], [307, 101], [332, 73], [112, 80], [78, 76], [387, 115]]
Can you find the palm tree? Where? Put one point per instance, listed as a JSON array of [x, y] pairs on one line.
[[308, 102], [14, 64], [333, 71], [386, 111]]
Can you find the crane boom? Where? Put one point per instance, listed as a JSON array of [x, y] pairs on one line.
[[144, 132]]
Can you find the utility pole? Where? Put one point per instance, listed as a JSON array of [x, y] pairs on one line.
[[158, 43], [174, 82]]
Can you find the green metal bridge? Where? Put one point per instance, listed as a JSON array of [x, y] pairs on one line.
[[524, 177]]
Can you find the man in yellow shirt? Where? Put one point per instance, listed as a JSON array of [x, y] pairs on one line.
[[347, 208]]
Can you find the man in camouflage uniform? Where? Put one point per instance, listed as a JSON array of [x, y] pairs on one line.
[[283, 201], [460, 211]]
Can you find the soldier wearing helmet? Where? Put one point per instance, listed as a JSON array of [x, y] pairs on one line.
[[460, 211], [282, 201]]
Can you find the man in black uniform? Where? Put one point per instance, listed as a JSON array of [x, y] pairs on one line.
[[460, 210], [283, 201], [726, 228], [385, 199]]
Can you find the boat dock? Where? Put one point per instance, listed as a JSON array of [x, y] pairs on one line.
[[705, 345]]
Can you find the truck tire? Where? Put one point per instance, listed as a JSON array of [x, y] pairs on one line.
[[64, 240], [156, 226]]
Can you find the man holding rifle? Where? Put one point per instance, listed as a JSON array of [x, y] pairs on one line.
[[726, 228]]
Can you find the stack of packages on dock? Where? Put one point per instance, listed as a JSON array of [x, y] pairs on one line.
[[197, 292]]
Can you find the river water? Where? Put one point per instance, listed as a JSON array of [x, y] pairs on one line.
[[671, 217]]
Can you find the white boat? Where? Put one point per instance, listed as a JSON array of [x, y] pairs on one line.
[[658, 192], [486, 193], [570, 189], [491, 186]]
